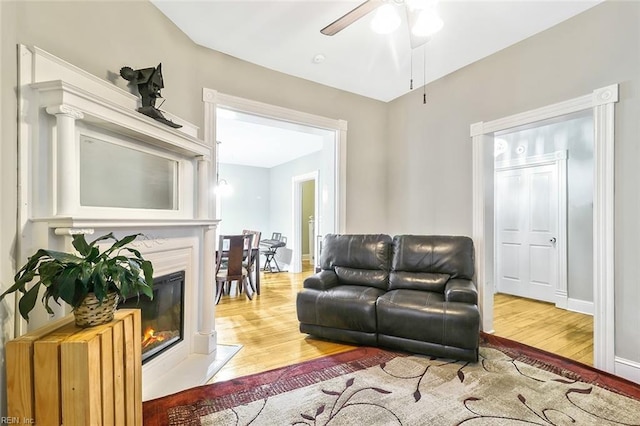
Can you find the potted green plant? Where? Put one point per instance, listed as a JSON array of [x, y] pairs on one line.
[[90, 281]]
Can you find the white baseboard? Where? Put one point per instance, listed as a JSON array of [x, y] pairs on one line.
[[580, 306], [306, 256], [627, 369]]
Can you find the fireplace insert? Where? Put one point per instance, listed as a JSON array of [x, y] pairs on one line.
[[162, 316]]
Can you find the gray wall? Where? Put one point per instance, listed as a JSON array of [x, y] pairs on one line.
[[429, 149], [282, 197], [261, 199], [248, 205], [575, 135]]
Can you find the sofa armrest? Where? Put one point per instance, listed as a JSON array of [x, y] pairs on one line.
[[323, 280], [461, 290]]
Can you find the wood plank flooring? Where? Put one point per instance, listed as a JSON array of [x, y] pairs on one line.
[[267, 327], [542, 325]]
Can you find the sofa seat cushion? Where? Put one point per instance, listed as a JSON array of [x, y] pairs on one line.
[[345, 307], [426, 316]]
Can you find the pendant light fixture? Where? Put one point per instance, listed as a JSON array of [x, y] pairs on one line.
[[222, 187]]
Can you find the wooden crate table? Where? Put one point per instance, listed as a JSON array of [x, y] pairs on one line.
[[61, 374]]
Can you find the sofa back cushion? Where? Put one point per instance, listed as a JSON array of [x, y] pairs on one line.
[[425, 281], [427, 262], [358, 259]]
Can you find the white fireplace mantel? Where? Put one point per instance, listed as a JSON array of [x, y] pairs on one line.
[[60, 108], [72, 226], [61, 98]]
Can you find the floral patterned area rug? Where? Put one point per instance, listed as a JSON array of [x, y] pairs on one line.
[[512, 384]]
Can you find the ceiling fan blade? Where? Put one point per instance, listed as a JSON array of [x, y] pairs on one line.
[[351, 17]]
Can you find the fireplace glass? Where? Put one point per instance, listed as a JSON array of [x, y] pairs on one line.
[[162, 316]]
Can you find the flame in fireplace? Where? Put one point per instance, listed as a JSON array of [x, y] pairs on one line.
[[150, 337]]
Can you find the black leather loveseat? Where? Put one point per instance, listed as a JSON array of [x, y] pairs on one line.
[[412, 292]]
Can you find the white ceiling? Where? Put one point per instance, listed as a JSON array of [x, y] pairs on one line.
[[249, 140], [284, 35]]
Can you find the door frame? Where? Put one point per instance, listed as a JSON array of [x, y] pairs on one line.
[[213, 99], [296, 188], [602, 103], [559, 160]]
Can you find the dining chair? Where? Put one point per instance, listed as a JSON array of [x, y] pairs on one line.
[[255, 252], [236, 250]]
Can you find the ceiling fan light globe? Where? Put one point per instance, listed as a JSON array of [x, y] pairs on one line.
[[427, 24], [386, 20]]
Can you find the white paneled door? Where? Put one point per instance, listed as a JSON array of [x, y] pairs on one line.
[[527, 231]]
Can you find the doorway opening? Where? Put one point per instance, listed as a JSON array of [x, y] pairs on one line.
[[543, 186], [305, 215], [261, 148], [601, 103]]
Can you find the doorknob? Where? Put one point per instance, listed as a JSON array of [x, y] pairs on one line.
[[552, 240]]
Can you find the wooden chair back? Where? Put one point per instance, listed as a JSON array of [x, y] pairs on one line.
[[255, 243], [237, 250]]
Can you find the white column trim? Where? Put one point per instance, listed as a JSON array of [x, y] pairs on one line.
[[483, 281], [205, 340], [341, 177], [67, 164], [603, 234], [204, 192], [602, 102], [562, 288]]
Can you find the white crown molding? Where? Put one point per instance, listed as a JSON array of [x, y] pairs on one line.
[[605, 95], [65, 110], [602, 96], [263, 109], [61, 97]]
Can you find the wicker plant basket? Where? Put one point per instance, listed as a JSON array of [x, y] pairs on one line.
[[92, 312]]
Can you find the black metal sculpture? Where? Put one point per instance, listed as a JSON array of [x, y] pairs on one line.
[[149, 81]]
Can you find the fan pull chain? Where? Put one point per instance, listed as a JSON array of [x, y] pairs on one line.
[[411, 72], [424, 88]]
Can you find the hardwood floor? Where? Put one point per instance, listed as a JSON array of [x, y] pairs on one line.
[[267, 327], [542, 325]]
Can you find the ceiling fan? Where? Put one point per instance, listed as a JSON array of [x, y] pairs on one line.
[[422, 18]]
